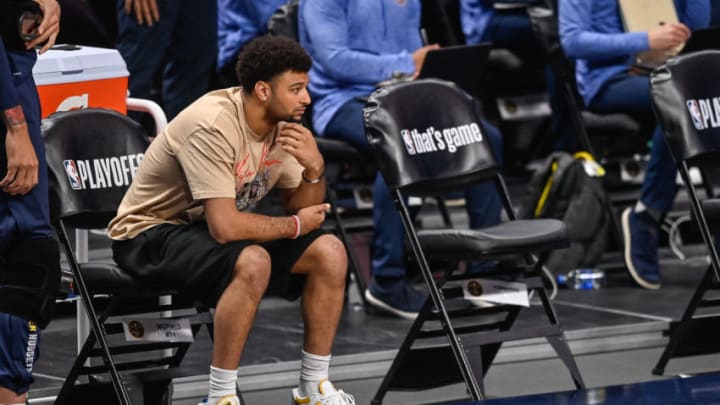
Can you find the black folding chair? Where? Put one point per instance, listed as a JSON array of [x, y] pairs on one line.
[[92, 156], [685, 92], [427, 139]]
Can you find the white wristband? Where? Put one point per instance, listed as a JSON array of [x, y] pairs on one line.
[[298, 227]]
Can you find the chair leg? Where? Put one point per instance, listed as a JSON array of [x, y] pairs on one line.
[[352, 258], [560, 344], [684, 324], [98, 330]]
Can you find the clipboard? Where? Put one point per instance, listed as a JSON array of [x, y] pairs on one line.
[[644, 15]]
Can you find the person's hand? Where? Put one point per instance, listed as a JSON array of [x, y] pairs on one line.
[[146, 11], [49, 27], [668, 36], [22, 169], [419, 56], [299, 142], [312, 217]]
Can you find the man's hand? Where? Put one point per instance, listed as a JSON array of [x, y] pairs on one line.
[[668, 36], [312, 217], [146, 11], [22, 170], [50, 26], [299, 142], [419, 56]]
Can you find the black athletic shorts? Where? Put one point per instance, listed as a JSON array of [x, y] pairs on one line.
[[187, 259]]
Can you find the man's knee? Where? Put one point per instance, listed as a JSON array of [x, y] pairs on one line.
[[330, 255], [253, 267]]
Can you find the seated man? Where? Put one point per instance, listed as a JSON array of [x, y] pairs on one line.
[[356, 44], [182, 223], [238, 22], [592, 32]]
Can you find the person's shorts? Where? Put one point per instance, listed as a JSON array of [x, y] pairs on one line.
[[19, 341], [187, 259]]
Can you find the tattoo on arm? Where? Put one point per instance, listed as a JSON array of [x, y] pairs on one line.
[[14, 116]]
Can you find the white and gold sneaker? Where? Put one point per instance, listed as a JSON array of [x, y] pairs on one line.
[[328, 395]]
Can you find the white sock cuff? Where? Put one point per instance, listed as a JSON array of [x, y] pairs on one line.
[[222, 382], [315, 356]]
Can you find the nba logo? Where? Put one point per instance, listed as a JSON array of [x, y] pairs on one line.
[[72, 174], [694, 110], [407, 139]]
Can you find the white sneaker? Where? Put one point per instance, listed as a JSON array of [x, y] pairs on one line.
[[226, 400], [328, 395]]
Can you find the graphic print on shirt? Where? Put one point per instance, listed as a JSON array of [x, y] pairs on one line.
[[250, 185]]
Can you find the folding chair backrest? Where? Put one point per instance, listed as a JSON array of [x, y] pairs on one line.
[[426, 137], [92, 157], [284, 21], [686, 97]]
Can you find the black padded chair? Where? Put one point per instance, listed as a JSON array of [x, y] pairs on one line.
[[92, 156], [427, 139], [684, 93]]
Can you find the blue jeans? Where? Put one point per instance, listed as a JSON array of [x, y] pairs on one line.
[[181, 47], [26, 216], [629, 94], [482, 201]]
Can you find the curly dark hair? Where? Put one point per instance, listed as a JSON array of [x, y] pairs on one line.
[[265, 57]]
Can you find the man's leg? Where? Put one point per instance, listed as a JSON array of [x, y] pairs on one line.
[[18, 353], [641, 223], [237, 306], [324, 263]]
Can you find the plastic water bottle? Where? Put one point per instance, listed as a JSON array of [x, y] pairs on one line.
[[583, 279]]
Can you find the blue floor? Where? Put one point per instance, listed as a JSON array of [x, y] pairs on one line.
[[704, 389]]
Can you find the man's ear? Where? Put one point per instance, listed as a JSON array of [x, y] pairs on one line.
[[262, 89]]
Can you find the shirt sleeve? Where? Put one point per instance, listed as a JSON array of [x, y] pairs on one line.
[[207, 159], [325, 23], [8, 94], [580, 42], [696, 14]]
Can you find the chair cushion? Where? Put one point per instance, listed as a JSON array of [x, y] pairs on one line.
[[507, 238], [616, 124], [108, 278], [711, 209], [334, 150]]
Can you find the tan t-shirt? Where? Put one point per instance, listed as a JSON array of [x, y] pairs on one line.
[[207, 151]]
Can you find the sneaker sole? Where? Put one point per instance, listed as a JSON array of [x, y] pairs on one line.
[[371, 299], [628, 257]]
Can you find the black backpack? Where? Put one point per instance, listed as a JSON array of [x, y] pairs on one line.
[[570, 188]]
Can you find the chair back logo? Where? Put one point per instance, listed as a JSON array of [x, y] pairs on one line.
[[72, 174], [115, 171], [705, 113], [434, 140]]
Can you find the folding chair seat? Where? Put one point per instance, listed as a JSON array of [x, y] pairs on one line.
[[92, 156], [685, 95], [427, 139]]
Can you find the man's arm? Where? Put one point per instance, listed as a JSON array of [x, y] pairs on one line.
[[50, 26], [22, 163], [580, 42], [299, 142], [146, 11], [325, 23], [227, 224]]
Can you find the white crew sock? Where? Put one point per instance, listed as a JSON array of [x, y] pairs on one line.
[[314, 369], [222, 383]]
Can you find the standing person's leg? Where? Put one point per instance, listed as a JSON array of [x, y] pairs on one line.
[[641, 223], [29, 257], [483, 201], [191, 55], [143, 47]]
